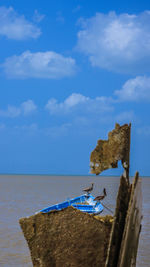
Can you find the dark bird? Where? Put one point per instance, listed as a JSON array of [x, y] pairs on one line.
[[101, 197], [89, 189]]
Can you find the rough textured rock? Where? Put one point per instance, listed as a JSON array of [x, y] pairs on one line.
[[108, 152], [67, 238]]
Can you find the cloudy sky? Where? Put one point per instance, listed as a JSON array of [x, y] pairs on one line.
[[69, 70]]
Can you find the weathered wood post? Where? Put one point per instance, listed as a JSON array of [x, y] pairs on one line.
[[130, 239], [123, 244], [124, 238], [126, 159]]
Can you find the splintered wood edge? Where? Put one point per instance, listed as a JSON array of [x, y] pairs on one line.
[[116, 231], [127, 251], [129, 245]]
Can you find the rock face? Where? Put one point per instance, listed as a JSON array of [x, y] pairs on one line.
[[108, 152], [66, 238]]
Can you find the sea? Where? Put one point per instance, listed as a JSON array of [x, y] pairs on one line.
[[24, 195]]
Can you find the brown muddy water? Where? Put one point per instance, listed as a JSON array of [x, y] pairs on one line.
[[23, 195]]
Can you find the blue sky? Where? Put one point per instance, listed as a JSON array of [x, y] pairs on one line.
[[69, 70]]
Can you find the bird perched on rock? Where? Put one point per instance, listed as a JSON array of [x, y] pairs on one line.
[[101, 197], [89, 189]]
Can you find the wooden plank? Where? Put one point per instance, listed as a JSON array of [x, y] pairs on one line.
[[119, 223], [129, 245]]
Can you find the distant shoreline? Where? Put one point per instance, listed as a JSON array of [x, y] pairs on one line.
[[81, 175]]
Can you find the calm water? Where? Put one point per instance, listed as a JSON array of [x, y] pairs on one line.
[[22, 196]]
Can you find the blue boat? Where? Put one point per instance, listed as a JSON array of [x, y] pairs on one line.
[[91, 206]]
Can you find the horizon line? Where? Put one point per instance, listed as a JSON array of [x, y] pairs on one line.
[[47, 174]]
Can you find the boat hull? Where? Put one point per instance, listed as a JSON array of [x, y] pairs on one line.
[[91, 207]]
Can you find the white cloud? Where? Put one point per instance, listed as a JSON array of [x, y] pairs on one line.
[[39, 65], [137, 89], [117, 42], [79, 103], [26, 108], [37, 16], [11, 112], [15, 26]]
